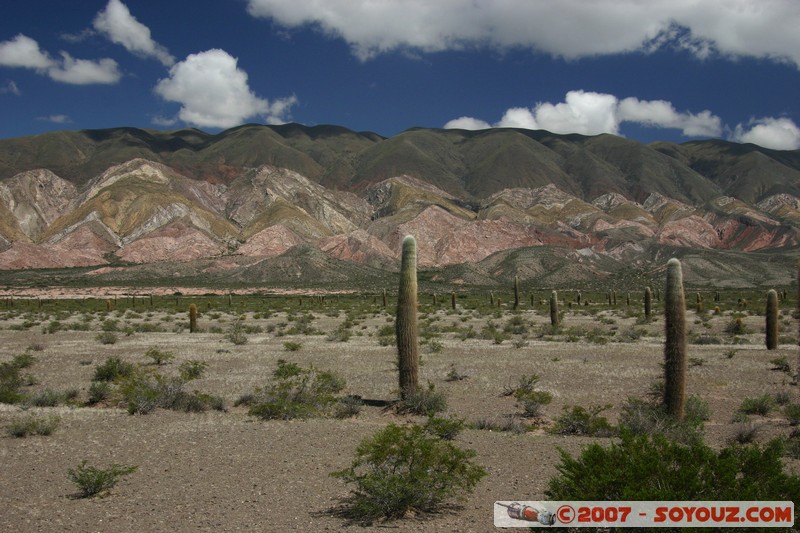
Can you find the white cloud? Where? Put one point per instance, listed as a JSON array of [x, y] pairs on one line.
[[10, 88], [56, 119], [214, 92], [467, 123], [24, 52], [117, 23], [563, 28], [582, 112], [591, 113], [84, 71], [775, 133], [662, 114]]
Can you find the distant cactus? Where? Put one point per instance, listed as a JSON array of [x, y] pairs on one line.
[[192, 318], [406, 321], [554, 309], [453, 300], [675, 341], [491, 298], [384, 298], [772, 320], [516, 292], [648, 303]]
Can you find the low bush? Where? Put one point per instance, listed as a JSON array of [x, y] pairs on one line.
[[423, 401], [580, 421], [641, 417], [158, 357], [296, 392], [403, 468], [444, 428], [113, 369], [32, 425], [192, 369], [92, 481], [673, 472], [760, 405]]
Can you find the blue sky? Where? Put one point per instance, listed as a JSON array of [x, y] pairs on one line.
[[672, 70]]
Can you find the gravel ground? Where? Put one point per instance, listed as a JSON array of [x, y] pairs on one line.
[[227, 471]]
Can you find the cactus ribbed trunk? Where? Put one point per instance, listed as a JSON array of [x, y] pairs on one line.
[[406, 321], [648, 303], [772, 320], [384, 298], [453, 300], [675, 341], [491, 298], [516, 292], [192, 318], [554, 309]]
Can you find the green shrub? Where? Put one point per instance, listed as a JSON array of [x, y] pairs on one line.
[[23, 360], [781, 364], [424, 402], [640, 417], [291, 346], [401, 469], [113, 369], [46, 398], [159, 357], [528, 397], [760, 405], [444, 428], [348, 407], [792, 412], [673, 472], [106, 337], [92, 481], [579, 421], [192, 369], [98, 391], [296, 392], [236, 333], [32, 425]]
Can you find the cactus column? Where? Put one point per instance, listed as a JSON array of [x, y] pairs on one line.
[[675, 340], [554, 309], [406, 321], [772, 320], [192, 318], [648, 303], [516, 292]]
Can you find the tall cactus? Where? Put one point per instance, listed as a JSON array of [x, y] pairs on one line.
[[772, 320], [554, 309], [406, 321], [516, 292], [648, 303], [192, 318], [675, 340]]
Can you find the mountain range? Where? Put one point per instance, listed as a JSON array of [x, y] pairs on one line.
[[302, 205]]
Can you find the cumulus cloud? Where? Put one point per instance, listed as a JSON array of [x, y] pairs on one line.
[[775, 133], [55, 119], [24, 52], [84, 71], [591, 113], [566, 28], [117, 23], [214, 92], [467, 123], [10, 88]]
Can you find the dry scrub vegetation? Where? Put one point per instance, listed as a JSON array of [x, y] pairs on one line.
[[212, 441]]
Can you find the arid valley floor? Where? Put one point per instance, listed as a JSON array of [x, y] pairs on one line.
[[229, 471]]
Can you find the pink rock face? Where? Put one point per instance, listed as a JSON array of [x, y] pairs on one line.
[[270, 242], [358, 246], [27, 255], [175, 242], [444, 239], [692, 231]]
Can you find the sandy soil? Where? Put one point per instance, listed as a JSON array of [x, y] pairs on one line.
[[226, 471]]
